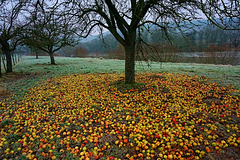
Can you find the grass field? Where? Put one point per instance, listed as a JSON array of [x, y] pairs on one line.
[[81, 109], [32, 70]]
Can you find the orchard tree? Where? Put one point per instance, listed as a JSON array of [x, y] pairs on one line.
[[224, 14], [49, 31], [126, 18], [12, 23]]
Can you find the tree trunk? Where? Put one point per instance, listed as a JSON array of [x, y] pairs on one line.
[[13, 59], [52, 58], [36, 55], [130, 63], [7, 52], [0, 65], [4, 65], [9, 60]]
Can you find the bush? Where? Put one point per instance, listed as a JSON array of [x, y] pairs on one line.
[[214, 54]]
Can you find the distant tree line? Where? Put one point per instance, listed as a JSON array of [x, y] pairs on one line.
[[208, 41]]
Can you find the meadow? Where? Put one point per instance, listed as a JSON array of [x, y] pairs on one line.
[[32, 71], [81, 109]]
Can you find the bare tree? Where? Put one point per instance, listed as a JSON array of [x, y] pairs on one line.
[[224, 14], [214, 54], [49, 31], [11, 25], [124, 17]]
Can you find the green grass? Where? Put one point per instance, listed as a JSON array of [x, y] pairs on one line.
[[32, 71]]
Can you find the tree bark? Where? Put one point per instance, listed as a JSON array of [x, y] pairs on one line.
[[6, 50], [9, 60], [0, 65], [36, 55], [52, 58], [3, 61], [13, 59], [130, 63]]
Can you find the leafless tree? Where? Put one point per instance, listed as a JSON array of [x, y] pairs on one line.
[[214, 54], [49, 30], [124, 18], [224, 14], [12, 23]]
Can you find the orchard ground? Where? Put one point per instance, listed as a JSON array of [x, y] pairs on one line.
[[81, 109]]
